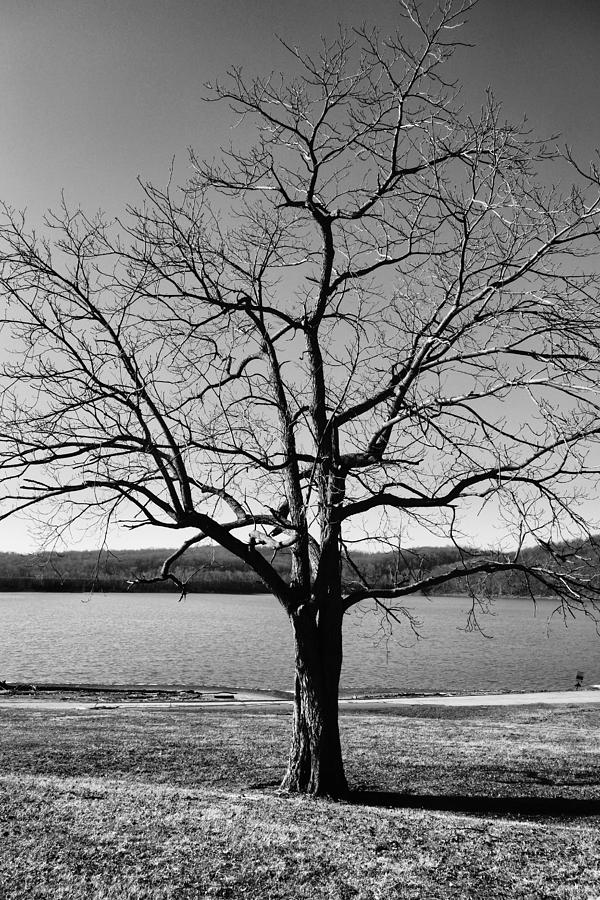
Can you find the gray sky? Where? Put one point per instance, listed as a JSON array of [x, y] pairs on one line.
[[97, 92]]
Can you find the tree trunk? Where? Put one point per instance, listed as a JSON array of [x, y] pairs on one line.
[[315, 764]]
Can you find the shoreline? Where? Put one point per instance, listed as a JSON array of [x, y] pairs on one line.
[[155, 696]]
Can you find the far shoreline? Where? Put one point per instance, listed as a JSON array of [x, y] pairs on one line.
[[226, 590]]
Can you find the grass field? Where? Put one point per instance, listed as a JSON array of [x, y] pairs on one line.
[[448, 803]]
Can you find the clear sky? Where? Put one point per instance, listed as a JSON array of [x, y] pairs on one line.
[[97, 92]]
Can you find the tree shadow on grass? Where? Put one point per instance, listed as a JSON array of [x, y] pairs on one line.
[[481, 805]]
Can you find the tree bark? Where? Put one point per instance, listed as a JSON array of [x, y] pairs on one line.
[[315, 763]]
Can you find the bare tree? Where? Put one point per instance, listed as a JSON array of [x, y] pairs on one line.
[[369, 314]]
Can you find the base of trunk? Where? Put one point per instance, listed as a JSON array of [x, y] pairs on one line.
[[315, 764], [316, 783]]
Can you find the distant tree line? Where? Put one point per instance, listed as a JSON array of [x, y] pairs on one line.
[[213, 569]]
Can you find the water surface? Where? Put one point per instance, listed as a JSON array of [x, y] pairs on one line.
[[245, 641]]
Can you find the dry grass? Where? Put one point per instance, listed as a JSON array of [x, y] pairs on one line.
[[451, 803]]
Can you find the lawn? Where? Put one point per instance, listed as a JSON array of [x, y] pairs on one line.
[[448, 803]]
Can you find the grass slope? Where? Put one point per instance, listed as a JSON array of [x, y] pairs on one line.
[[449, 803]]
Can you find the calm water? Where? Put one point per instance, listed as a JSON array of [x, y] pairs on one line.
[[239, 641]]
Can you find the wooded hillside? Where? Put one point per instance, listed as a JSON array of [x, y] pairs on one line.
[[212, 569]]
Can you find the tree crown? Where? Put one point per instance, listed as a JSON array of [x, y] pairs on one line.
[[370, 313]]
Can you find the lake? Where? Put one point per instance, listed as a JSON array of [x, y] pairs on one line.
[[245, 642]]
